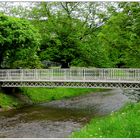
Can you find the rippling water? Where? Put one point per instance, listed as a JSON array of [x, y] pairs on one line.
[[58, 118]]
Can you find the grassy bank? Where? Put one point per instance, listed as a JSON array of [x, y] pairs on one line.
[[8, 102], [38, 95], [48, 94], [122, 124]]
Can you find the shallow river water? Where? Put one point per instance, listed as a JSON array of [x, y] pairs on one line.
[[59, 118]]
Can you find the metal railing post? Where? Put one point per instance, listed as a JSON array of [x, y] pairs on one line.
[[35, 72], [65, 74], [8, 75], [111, 75], [84, 74], [21, 74], [52, 74]]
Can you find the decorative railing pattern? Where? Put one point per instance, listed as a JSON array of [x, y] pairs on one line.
[[82, 75]]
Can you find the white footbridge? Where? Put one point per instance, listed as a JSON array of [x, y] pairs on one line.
[[76, 78]]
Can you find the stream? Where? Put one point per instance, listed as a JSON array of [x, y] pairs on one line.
[[58, 119]]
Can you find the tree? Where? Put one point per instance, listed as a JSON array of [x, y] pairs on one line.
[[19, 43], [68, 31], [96, 34], [62, 41], [131, 10], [120, 35]]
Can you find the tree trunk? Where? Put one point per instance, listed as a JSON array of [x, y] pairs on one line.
[[65, 65], [121, 65]]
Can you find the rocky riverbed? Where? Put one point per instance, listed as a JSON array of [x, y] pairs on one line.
[[132, 94]]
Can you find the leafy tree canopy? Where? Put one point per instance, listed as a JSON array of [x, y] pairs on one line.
[[19, 43], [63, 40], [120, 36], [76, 33]]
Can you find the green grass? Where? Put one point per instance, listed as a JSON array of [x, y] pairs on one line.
[[40, 95], [7, 101], [122, 124], [48, 94]]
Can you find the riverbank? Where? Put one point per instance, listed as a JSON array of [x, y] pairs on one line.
[[39, 95], [59, 118], [25, 96], [86, 108], [122, 124], [8, 102]]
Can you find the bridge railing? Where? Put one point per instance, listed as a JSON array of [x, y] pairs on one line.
[[94, 74]]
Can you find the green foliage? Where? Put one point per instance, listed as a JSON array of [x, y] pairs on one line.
[[77, 34], [62, 42], [38, 95], [19, 43], [94, 54], [49, 94], [7, 101], [114, 39], [120, 36], [122, 124], [66, 38]]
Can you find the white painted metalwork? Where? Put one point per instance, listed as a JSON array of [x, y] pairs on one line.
[[94, 77]]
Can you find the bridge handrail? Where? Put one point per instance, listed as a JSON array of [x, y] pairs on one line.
[[82, 74]]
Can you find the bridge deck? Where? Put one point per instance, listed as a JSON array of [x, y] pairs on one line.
[[13, 77]]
